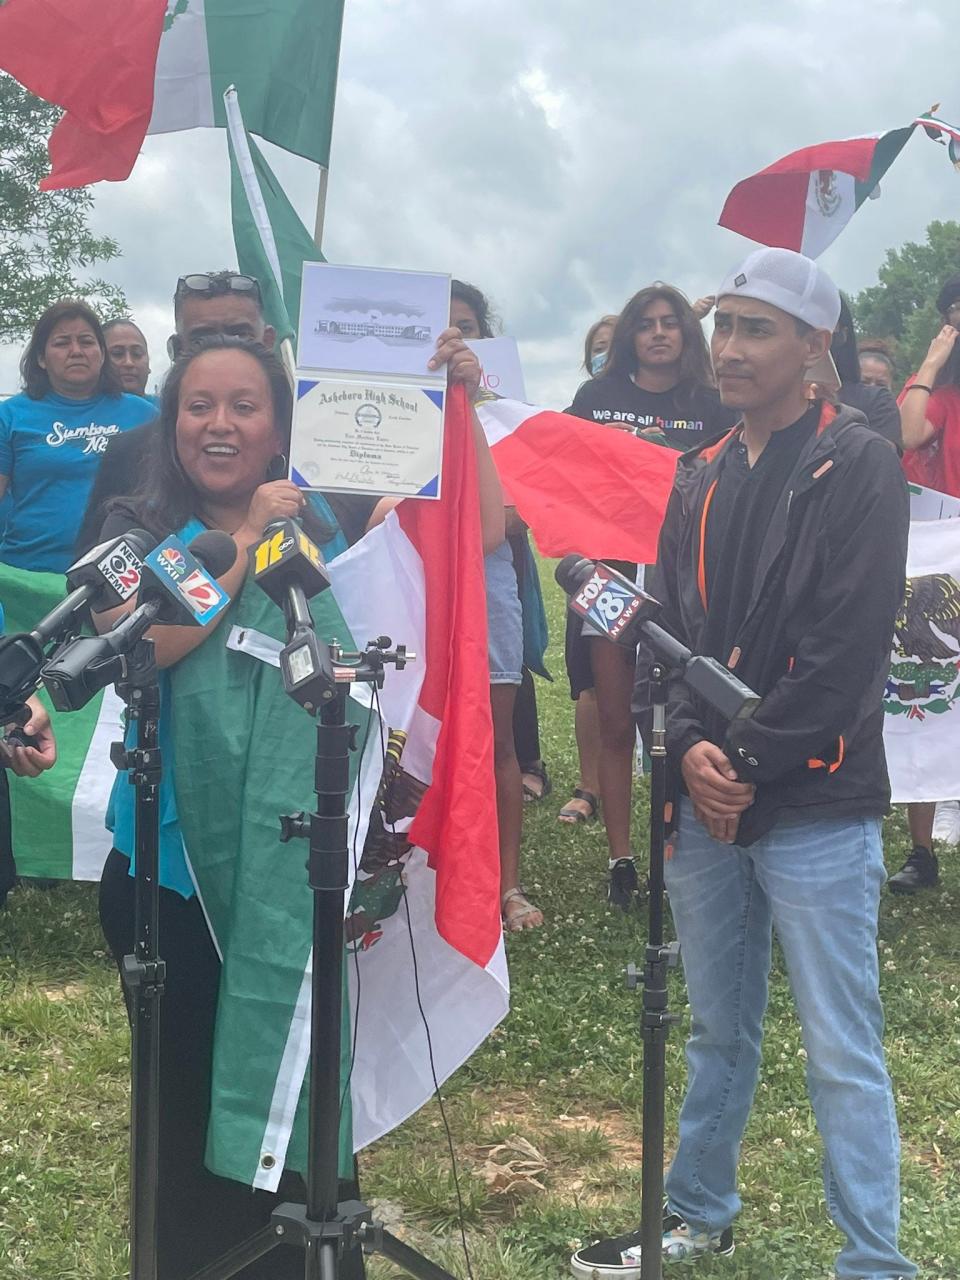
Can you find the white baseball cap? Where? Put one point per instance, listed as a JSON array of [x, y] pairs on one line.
[[789, 281]]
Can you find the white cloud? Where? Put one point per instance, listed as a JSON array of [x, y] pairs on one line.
[[562, 155]]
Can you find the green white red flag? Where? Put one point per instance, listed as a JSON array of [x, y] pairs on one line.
[[804, 200], [123, 68]]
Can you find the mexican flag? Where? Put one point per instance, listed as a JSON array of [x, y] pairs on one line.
[[804, 200], [125, 68], [922, 697], [271, 241], [580, 486], [58, 830]]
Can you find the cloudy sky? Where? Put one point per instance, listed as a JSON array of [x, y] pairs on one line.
[[561, 155]]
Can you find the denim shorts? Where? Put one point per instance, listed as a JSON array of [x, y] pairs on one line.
[[504, 617]]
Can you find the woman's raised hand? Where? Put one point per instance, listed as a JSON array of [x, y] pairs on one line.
[[275, 500], [939, 351], [462, 364]]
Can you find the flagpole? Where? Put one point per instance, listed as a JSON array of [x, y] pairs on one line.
[[325, 168], [321, 206]]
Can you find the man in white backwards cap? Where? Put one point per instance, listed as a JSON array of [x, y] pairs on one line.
[[782, 555]]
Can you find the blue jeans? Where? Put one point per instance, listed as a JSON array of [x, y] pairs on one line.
[[818, 884]]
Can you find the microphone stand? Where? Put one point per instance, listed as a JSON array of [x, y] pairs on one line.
[[77, 672], [330, 1232], [144, 972], [656, 1019], [728, 695]]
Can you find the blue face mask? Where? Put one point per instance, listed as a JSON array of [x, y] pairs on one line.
[[597, 362]]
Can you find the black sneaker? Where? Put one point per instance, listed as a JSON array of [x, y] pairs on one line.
[[622, 884], [619, 1256], [920, 871]]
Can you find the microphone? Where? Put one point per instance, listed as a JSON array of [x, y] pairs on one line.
[[623, 614], [105, 577], [609, 601], [179, 582], [288, 566], [178, 587]]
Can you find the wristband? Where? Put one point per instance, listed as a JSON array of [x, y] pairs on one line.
[[919, 386]]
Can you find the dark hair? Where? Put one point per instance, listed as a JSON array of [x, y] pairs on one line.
[[877, 349], [218, 289], [949, 293], [843, 346], [591, 334], [166, 498], [478, 304], [695, 368], [36, 383], [118, 320]]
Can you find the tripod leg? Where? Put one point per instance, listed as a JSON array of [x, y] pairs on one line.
[[415, 1263]]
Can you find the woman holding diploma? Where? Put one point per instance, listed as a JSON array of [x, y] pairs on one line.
[[224, 430]]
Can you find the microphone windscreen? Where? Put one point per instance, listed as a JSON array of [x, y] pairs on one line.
[[572, 572], [215, 550], [141, 541]]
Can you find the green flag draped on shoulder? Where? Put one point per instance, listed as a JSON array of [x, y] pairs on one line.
[[231, 789]]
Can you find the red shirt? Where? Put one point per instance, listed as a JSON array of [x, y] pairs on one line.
[[937, 464]]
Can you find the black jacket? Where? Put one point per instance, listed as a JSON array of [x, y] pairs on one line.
[[816, 641]]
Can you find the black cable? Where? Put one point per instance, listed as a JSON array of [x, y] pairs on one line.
[[356, 951], [426, 1026]]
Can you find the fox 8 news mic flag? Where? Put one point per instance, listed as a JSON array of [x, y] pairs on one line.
[[605, 599]]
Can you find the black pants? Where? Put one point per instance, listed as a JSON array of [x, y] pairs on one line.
[[200, 1215], [526, 731]]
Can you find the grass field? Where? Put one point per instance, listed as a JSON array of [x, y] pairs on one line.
[[545, 1118]]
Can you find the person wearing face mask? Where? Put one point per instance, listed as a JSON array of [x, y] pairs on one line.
[[596, 345], [584, 804], [53, 435], [656, 383]]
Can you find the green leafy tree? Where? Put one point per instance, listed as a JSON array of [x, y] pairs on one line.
[[44, 235], [901, 307]]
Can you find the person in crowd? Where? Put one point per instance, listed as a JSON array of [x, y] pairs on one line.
[[204, 304], [657, 382], [222, 392], [470, 313], [876, 363], [930, 414], [26, 761], [52, 435], [128, 354], [584, 805], [775, 537], [875, 402], [596, 345]]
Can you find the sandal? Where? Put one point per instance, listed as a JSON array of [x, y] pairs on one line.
[[574, 816], [513, 922], [530, 795]]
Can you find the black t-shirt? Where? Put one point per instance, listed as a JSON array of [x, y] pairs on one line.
[[614, 400], [741, 509]]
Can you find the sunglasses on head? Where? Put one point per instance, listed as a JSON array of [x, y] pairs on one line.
[[213, 283]]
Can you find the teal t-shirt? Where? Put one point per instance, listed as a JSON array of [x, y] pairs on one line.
[[50, 450], [121, 811]]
